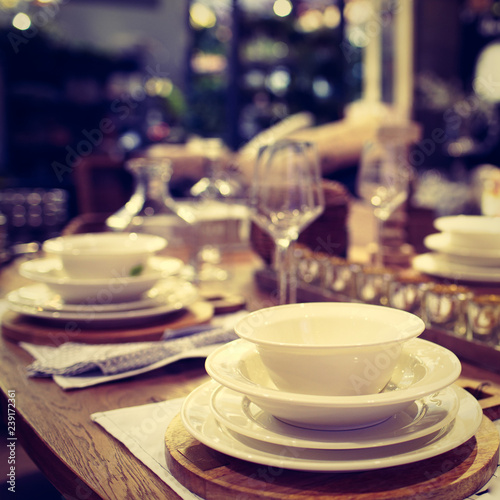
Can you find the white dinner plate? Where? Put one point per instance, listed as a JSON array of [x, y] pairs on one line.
[[182, 295], [45, 299], [423, 417], [203, 426], [117, 289], [472, 256], [436, 264], [422, 369]]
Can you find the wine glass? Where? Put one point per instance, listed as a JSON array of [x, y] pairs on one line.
[[383, 180], [286, 195]]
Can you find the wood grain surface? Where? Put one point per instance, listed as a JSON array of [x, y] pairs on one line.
[[212, 475], [78, 456]]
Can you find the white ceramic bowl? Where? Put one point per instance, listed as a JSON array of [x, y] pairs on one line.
[[330, 349], [423, 368], [477, 231], [104, 255], [99, 290]]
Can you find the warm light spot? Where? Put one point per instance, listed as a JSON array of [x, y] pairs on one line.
[[202, 16], [310, 21], [331, 16], [282, 8], [159, 87], [208, 63], [9, 4], [358, 12], [21, 21], [278, 81]]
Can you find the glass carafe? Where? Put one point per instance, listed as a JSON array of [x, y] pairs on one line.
[[151, 209]]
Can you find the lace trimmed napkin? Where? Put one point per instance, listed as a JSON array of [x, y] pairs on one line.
[[150, 449], [74, 365]]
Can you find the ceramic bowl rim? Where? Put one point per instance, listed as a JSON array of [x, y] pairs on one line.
[[414, 326], [63, 245]]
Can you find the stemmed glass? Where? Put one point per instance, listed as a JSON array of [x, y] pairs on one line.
[[383, 181], [286, 195]]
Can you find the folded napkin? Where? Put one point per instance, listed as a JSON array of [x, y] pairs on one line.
[[149, 447], [75, 365]]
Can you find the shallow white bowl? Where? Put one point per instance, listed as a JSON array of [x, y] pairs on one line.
[[325, 348], [104, 255], [476, 231], [104, 290], [423, 368]]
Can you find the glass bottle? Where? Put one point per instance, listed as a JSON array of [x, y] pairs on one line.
[[151, 209]]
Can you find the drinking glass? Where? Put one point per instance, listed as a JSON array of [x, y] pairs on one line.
[[383, 181], [286, 195]]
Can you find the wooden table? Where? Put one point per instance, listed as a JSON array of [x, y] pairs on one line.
[[78, 456], [54, 426]]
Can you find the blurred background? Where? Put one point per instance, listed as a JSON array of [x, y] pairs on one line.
[[86, 79]]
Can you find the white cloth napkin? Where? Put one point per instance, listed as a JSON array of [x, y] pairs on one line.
[[125, 425], [74, 366]]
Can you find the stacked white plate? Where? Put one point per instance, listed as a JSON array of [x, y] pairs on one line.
[[98, 302], [420, 414], [467, 247]]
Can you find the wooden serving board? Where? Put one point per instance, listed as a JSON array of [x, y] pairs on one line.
[[27, 329], [212, 475]]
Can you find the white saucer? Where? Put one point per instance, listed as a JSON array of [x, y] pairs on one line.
[[118, 289], [423, 417], [472, 256], [438, 265], [423, 368], [203, 426], [181, 294]]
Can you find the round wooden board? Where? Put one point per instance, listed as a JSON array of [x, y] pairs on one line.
[[213, 475], [26, 329]]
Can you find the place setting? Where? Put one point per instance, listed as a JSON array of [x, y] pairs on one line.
[[102, 287], [329, 387], [466, 248]]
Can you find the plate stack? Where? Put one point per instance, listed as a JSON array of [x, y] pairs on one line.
[[102, 280], [467, 247], [245, 412]]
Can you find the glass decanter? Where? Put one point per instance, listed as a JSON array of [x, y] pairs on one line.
[[151, 208]]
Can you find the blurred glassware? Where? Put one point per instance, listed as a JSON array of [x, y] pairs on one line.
[[33, 215], [151, 209], [220, 181], [384, 176], [444, 306], [286, 195], [483, 318], [406, 292], [307, 263], [340, 276], [372, 284], [216, 206]]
